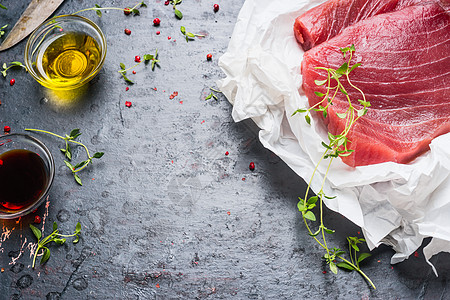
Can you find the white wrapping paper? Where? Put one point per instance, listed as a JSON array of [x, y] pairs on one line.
[[394, 204]]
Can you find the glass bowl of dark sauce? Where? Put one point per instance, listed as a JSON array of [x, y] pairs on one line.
[[27, 170]]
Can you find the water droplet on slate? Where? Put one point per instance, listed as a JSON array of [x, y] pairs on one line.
[[17, 268], [63, 215], [24, 281], [53, 296], [80, 284]]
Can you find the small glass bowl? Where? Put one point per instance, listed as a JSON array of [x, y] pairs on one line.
[[22, 141], [49, 32]]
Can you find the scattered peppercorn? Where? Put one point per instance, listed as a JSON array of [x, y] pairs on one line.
[[156, 22], [12, 81], [226, 153], [127, 31], [167, 2], [251, 166], [134, 72], [127, 88], [37, 220], [7, 129], [137, 58], [158, 32], [216, 7], [127, 103], [127, 11], [169, 37], [209, 56]]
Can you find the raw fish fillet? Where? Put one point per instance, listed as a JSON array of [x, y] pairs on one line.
[[404, 73], [327, 20]]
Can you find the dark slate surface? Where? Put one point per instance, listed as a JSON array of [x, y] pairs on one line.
[[165, 213]]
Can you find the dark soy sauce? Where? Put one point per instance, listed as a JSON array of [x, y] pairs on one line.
[[23, 177]]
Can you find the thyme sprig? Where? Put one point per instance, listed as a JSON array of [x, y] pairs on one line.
[[178, 13], [2, 30], [12, 65], [337, 146], [146, 58], [97, 8], [56, 237], [189, 35], [68, 151], [212, 95], [3, 7]]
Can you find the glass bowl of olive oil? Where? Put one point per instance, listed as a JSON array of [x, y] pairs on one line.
[[27, 170], [65, 52]]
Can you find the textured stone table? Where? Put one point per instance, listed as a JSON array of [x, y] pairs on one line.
[[165, 213]]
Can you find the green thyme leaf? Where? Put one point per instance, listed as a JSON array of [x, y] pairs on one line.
[[342, 115], [69, 165], [315, 233], [320, 82], [344, 265], [74, 133], [342, 69], [333, 267], [78, 228], [126, 79], [46, 255], [148, 57], [330, 231], [363, 256], [2, 6], [98, 154], [354, 67], [77, 179], [308, 119], [81, 164], [37, 233], [183, 30], [178, 14], [97, 11], [55, 226], [310, 215]]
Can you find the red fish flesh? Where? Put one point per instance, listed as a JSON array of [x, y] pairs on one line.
[[404, 73]]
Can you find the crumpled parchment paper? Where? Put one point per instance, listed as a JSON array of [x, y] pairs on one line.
[[394, 204]]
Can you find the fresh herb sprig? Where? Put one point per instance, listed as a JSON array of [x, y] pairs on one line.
[[212, 95], [189, 35], [68, 151], [3, 7], [2, 30], [146, 58], [56, 237], [98, 9], [178, 13], [12, 65], [336, 147]]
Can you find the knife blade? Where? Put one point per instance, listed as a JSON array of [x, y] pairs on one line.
[[37, 12]]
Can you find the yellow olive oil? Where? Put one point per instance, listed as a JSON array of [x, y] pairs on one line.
[[68, 58]]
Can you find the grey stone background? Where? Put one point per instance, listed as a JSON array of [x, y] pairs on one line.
[[165, 213]]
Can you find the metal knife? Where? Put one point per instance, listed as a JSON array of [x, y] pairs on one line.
[[37, 12]]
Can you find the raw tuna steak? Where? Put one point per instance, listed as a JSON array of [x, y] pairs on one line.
[[327, 20], [405, 74]]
